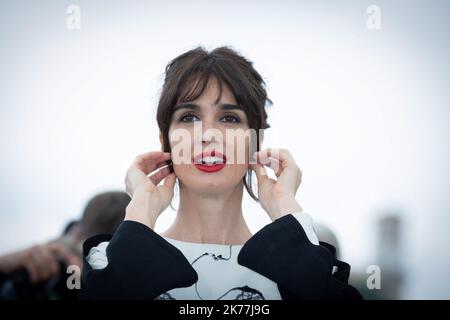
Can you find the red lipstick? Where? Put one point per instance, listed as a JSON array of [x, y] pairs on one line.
[[210, 161]]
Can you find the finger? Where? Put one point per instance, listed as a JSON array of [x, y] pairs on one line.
[[272, 163], [260, 171], [134, 178], [30, 265], [159, 175], [41, 263], [269, 158], [149, 161], [277, 153], [169, 182], [137, 175], [32, 270], [141, 167], [270, 152], [286, 161], [152, 155], [62, 252], [37, 264], [50, 265], [157, 166]]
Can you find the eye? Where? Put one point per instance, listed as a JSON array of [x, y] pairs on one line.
[[189, 117], [231, 118]]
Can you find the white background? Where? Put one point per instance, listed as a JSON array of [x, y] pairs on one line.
[[364, 112]]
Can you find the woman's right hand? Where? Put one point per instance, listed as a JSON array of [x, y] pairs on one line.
[[148, 200]]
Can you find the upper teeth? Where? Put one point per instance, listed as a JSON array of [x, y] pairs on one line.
[[211, 160]]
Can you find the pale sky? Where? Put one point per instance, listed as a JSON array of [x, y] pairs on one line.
[[365, 113]]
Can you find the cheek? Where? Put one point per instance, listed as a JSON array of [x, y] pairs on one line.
[[239, 170], [183, 171], [240, 162], [181, 146], [240, 152]]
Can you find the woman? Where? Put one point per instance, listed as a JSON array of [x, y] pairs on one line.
[[208, 102]]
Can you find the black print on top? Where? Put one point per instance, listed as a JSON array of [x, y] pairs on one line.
[[165, 296], [237, 293]]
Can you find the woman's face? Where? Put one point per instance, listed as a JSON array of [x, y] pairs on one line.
[[202, 126]]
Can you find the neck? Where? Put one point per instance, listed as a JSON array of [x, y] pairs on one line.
[[214, 218]]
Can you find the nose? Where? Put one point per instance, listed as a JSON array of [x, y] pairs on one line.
[[210, 134]]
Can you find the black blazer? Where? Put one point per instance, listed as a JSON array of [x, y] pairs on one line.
[[143, 265]]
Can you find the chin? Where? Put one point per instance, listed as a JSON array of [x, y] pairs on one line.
[[210, 182]]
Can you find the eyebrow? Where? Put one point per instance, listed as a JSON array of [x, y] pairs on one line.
[[194, 106]]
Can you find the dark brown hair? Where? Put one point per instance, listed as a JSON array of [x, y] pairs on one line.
[[187, 76], [103, 213]]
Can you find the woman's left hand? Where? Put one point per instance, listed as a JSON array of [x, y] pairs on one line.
[[277, 197]]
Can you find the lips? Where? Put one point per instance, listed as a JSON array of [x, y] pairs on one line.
[[209, 161]]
